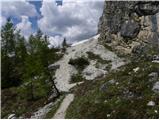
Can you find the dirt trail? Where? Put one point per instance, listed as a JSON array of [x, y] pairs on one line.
[[61, 112]]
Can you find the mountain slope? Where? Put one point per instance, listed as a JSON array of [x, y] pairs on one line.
[[120, 75], [63, 74]]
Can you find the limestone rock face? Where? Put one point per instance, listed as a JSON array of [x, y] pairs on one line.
[[126, 24], [130, 29]]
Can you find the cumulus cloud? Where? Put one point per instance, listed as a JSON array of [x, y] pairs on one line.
[[25, 26], [2, 21], [56, 41], [73, 20], [17, 9], [20, 10]]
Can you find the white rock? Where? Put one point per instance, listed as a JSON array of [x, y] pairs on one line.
[[111, 81], [11, 116], [156, 87], [117, 83], [136, 69], [151, 103], [91, 73], [155, 61], [42, 111]]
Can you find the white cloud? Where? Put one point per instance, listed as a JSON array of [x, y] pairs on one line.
[[17, 9], [20, 10], [56, 41], [2, 21], [25, 26], [73, 20]]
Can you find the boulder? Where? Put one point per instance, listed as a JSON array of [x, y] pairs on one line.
[[147, 8], [53, 67], [130, 29], [91, 73]]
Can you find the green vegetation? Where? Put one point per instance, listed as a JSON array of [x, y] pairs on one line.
[[26, 78], [107, 47], [13, 103], [126, 97], [76, 78], [93, 56], [53, 110], [64, 45], [79, 63]]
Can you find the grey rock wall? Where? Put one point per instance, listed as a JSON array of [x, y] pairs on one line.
[[126, 24]]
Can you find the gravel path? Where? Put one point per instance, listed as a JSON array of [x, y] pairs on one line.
[[61, 112]]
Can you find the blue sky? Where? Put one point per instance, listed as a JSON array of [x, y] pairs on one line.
[[75, 20]]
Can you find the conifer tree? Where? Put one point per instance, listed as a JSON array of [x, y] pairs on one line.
[[8, 59]]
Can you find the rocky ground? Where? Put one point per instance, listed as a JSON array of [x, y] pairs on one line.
[[96, 69]]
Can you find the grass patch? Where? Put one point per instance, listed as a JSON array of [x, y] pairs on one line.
[[126, 98], [93, 56], [79, 63], [107, 47], [12, 103], [53, 110]]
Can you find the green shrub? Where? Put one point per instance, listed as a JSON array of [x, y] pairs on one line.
[[80, 63], [93, 56], [76, 78]]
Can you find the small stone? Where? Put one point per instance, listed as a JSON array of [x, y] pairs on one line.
[[156, 87], [53, 67], [20, 117], [104, 87], [111, 81], [117, 83], [108, 115], [11, 116], [151, 103], [153, 76], [136, 69]]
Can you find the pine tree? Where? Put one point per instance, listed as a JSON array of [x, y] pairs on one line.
[[64, 43], [8, 38], [37, 76], [8, 63]]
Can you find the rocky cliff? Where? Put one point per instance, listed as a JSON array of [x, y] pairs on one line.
[[126, 26]]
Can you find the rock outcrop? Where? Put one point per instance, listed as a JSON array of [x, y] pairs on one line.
[[125, 25]]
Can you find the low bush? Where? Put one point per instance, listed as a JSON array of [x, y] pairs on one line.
[[80, 63], [76, 78], [93, 56]]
